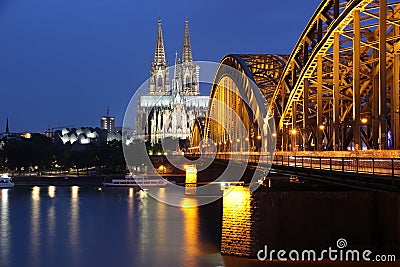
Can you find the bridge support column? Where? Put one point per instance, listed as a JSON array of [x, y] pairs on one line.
[[336, 90], [285, 139], [375, 106], [395, 97], [356, 82], [294, 131], [319, 128], [305, 115], [382, 75], [191, 180]]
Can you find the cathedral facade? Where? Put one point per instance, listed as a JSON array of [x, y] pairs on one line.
[[169, 108]]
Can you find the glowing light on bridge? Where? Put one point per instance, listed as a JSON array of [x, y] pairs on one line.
[[345, 64], [191, 179]]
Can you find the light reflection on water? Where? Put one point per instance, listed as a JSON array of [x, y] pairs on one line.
[[51, 216], [190, 231], [35, 226], [80, 226], [4, 227], [74, 223]]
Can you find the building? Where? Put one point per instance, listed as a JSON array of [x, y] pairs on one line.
[[169, 108], [107, 122], [9, 136], [85, 136]]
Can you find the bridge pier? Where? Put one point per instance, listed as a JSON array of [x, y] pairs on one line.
[[307, 220], [191, 180]]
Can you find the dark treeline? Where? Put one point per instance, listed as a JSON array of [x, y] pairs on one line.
[[39, 153]]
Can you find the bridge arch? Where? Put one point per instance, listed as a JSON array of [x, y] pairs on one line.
[[238, 97], [340, 86], [197, 134]]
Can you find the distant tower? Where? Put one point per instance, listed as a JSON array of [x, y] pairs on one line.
[[7, 128], [159, 74], [189, 69], [107, 122]]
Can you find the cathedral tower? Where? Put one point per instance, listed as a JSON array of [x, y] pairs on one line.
[[189, 69], [159, 74]]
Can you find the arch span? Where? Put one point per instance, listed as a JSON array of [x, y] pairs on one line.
[[238, 98], [340, 87]]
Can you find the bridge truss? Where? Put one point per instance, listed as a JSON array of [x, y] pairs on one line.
[[338, 89], [239, 103]]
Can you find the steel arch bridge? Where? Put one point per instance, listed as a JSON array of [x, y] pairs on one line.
[[238, 102], [338, 89]]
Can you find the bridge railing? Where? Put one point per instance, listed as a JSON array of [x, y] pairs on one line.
[[384, 167], [387, 167]]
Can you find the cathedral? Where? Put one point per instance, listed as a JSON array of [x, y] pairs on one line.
[[169, 108]]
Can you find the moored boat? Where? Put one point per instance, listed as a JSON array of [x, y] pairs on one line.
[[6, 182], [136, 181]]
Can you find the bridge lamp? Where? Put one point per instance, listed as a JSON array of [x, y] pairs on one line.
[[294, 131], [259, 137], [321, 127], [364, 120], [161, 168]]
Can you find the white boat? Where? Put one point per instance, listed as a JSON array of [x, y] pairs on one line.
[[6, 182], [137, 181]]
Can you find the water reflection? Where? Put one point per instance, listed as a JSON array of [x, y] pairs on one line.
[[74, 221], [144, 220], [52, 191], [162, 227], [131, 200], [35, 225], [4, 226], [190, 232], [51, 216]]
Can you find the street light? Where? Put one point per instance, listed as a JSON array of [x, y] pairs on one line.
[[294, 131], [321, 127], [364, 120]]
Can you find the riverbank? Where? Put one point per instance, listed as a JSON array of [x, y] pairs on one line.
[[96, 180]]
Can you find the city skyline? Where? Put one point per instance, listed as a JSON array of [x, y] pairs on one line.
[[64, 63]]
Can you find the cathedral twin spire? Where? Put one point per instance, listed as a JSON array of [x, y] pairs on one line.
[[159, 53], [185, 80], [186, 50]]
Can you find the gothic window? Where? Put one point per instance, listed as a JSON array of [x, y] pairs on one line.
[[187, 81], [159, 82]]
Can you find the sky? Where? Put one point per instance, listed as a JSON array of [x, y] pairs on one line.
[[63, 62]]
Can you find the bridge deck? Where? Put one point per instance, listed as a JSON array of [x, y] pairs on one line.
[[359, 170]]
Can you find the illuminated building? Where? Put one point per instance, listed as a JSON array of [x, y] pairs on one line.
[[107, 122], [85, 136], [169, 109]]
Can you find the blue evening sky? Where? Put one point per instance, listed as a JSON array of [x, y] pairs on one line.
[[62, 62]]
